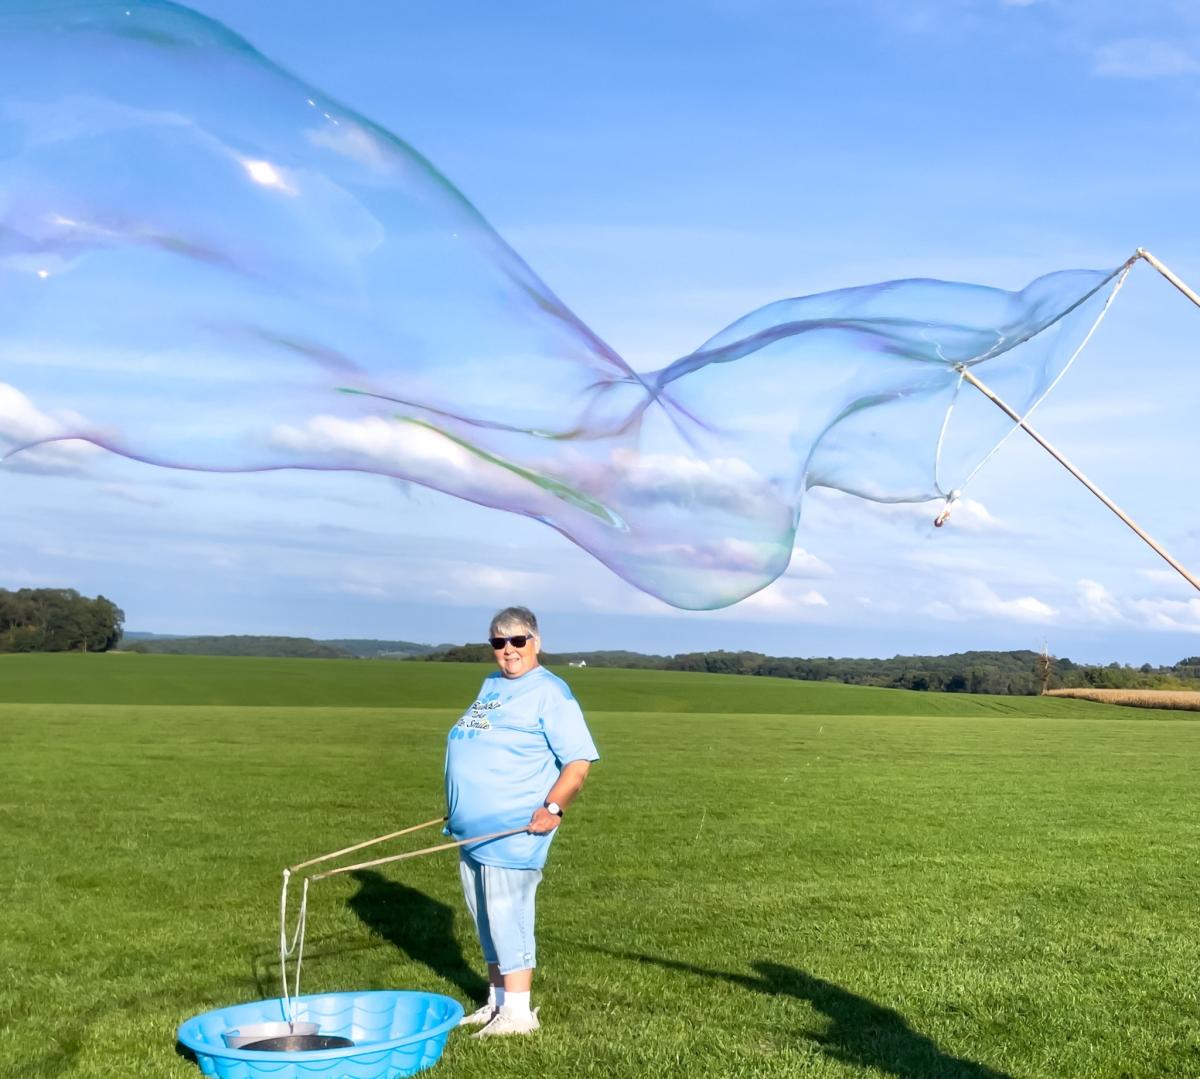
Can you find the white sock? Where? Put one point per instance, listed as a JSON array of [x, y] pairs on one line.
[[495, 996], [516, 1004]]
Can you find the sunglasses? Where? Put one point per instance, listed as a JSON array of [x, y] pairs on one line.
[[519, 641]]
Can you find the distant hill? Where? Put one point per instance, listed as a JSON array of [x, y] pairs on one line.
[[367, 648], [290, 647], [265, 645]]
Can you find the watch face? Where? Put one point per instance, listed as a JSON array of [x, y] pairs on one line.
[[554, 808]]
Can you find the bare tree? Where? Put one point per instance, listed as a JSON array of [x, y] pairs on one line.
[[1045, 667]]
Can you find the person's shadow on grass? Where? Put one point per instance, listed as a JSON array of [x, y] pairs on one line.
[[418, 925], [860, 1031]]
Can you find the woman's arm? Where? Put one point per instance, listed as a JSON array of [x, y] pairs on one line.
[[570, 783]]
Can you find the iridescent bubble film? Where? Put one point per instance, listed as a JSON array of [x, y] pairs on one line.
[[206, 263]]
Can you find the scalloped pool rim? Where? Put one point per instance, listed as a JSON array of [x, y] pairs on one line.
[[189, 1033]]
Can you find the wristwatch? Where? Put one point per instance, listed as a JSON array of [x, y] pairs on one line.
[[554, 808]]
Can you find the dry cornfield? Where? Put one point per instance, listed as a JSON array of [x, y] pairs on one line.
[[1136, 698]]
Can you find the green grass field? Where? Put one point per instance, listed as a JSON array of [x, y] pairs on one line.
[[762, 879]]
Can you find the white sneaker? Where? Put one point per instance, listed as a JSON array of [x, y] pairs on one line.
[[480, 1016], [509, 1024]]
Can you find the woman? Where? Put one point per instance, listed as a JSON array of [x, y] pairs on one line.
[[516, 759]]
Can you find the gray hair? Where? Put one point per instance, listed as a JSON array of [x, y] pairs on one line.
[[514, 616]]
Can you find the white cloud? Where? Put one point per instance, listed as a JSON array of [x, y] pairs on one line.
[[1160, 576], [942, 610], [971, 515], [805, 565], [355, 142], [390, 445], [423, 454], [1097, 603], [826, 509], [427, 576], [980, 599], [365, 589], [1168, 614], [780, 597], [1144, 58], [22, 423], [784, 600], [739, 556], [408, 451], [727, 484], [611, 597], [493, 582], [636, 485]]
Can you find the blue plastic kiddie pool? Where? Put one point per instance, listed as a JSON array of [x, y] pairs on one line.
[[395, 1033]]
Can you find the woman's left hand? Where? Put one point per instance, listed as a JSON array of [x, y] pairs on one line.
[[543, 821]]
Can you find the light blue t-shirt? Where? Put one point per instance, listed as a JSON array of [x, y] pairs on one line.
[[502, 758]]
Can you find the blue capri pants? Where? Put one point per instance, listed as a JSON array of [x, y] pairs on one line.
[[501, 903]]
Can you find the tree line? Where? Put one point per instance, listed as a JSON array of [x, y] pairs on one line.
[[57, 620], [1021, 672]]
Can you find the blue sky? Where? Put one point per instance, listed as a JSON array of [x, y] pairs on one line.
[[666, 168]]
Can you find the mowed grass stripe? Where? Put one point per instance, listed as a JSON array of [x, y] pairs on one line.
[[758, 895]]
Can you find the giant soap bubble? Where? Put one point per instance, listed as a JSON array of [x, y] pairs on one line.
[[215, 266]]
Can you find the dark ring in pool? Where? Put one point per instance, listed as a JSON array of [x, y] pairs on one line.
[[299, 1043]]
